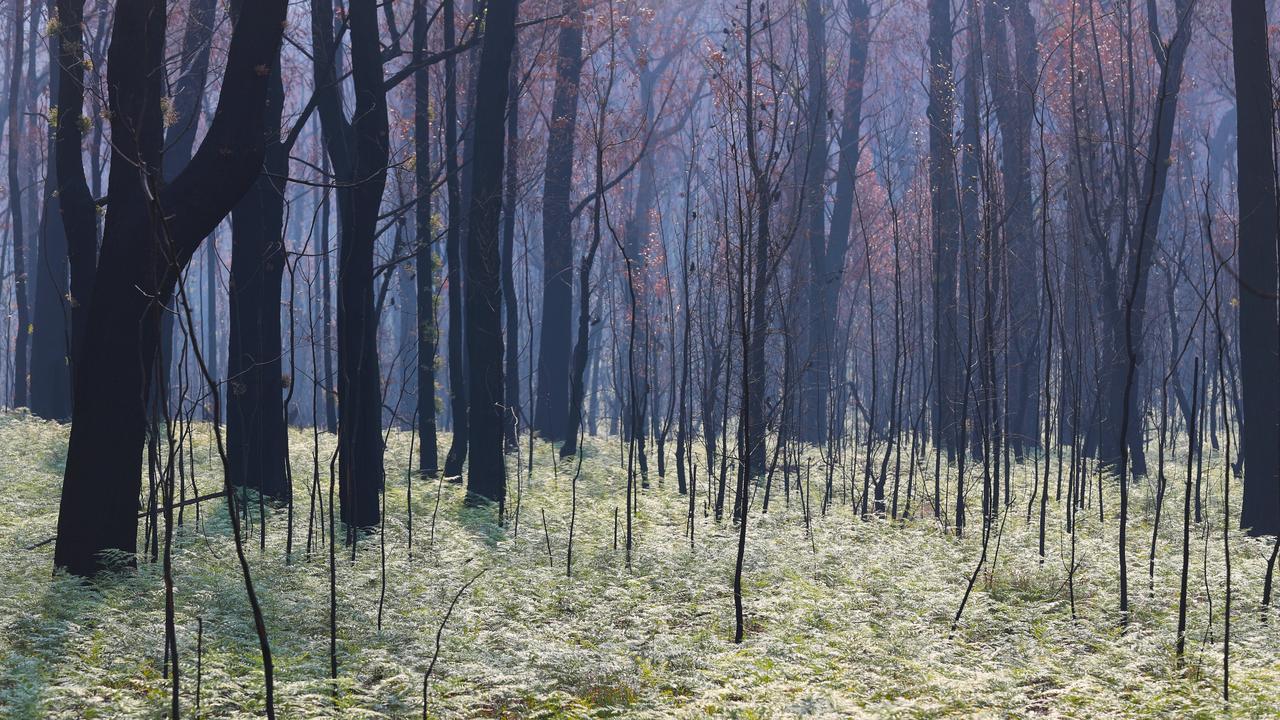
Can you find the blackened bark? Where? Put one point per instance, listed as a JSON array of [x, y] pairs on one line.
[[815, 373], [257, 435], [424, 255], [453, 256], [946, 226], [578, 371], [752, 426], [827, 255], [358, 149], [103, 474], [1013, 84], [17, 232], [552, 403], [79, 214], [146, 242], [1259, 353], [326, 309], [511, 426], [50, 341], [1124, 314], [636, 236], [954, 378], [188, 102], [486, 474]]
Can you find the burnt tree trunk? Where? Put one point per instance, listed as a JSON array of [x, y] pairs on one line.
[[551, 406], [486, 473], [424, 255], [827, 254], [151, 233], [1013, 85], [180, 138], [1120, 441], [257, 434], [50, 342], [79, 214], [453, 255], [358, 149], [17, 231], [815, 360], [946, 228], [1259, 358], [511, 426]]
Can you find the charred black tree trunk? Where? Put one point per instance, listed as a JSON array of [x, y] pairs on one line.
[[79, 214], [578, 371], [636, 236], [1120, 441], [17, 233], [486, 473], [180, 138], [955, 378], [551, 406], [1013, 84], [511, 425], [946, 227], [257, 435], [1259, 359], [827, 255], [424, 255], [358, 149], [754, 364], [815, 373], [151, 233], [50, 341], [453, 256]]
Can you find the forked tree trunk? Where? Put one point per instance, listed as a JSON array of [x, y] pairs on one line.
[[79, 215], [151, 233], [359, 150]]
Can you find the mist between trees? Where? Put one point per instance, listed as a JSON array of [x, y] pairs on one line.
[[1003, 272]]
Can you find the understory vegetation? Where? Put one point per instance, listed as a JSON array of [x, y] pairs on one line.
[[850, 617]]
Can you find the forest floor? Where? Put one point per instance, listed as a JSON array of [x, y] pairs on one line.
[[851, 620]]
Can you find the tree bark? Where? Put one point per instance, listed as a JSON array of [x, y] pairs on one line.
[[358, 149], [151, 233], [79, 214], [257, 432], [511, 425], [1120, 441], [1259, 350], [946, 227], [815, 372], [486, 474], [188, 103], [1013, 84], [828, 254], [17, 231], [453, 256], [424, 255], [51, 341], [552, 403]]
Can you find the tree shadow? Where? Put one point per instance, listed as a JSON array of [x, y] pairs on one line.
[[479, 517]]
